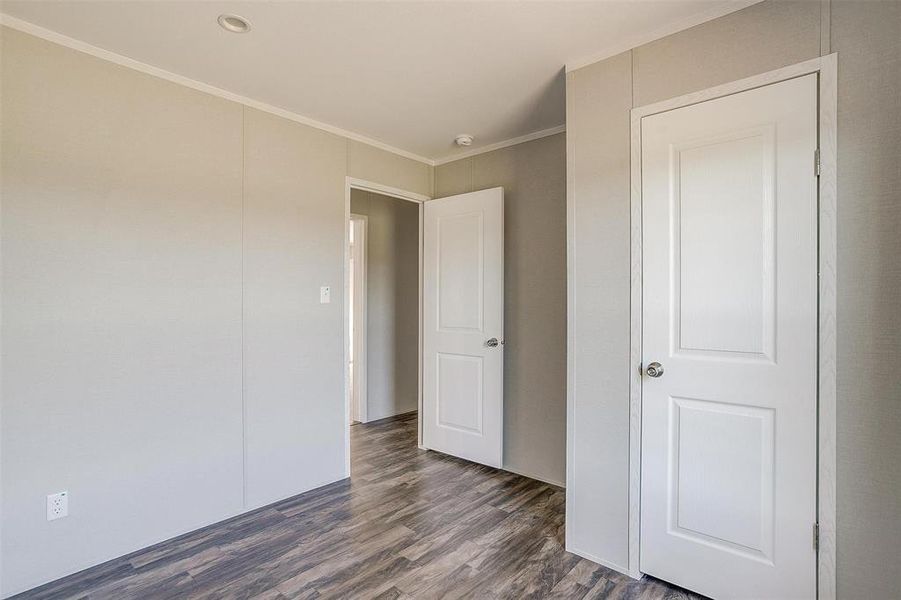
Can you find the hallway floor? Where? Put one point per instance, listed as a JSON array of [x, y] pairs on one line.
[[408, 524]]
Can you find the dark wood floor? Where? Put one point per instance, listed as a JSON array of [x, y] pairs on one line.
[[408, 524]]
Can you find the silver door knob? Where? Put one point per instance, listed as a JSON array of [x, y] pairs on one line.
[[655, 369], [493, 343]]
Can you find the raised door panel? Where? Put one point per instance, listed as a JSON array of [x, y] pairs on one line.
[[721, 465], [461, 271], [459, 394], [723, 220]]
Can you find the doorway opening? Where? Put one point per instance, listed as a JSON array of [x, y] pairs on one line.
[[382, 307], [425, 344]]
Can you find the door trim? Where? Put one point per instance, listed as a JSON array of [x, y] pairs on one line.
[[385, 190], [826, 68], [359, 352]]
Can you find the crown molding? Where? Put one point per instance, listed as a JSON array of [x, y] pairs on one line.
[[639, 40], [107, 55], [535, 135], [119, 59]]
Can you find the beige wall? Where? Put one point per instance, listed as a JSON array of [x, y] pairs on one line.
[[293, 345], [760, 38], [165, 357], [121, 264], [533, 177], [372, 164], [598, 100], [392, 333], [867, 36]]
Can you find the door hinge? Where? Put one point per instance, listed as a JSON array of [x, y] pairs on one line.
[[816, 162], [816, 537]]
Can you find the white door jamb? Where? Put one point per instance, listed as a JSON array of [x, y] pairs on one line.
[[359, 351]]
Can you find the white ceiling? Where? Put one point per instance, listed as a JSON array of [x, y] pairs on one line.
[[411, 75]]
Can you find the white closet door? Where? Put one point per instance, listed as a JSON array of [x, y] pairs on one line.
[[729, 463]]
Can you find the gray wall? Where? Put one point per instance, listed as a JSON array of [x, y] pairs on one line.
[[392, 333], [867, 36], [598, 100], [293, 345], [533, 176], [372, 164], [164, 354]]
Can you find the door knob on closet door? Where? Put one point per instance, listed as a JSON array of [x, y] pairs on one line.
[[655, 369], [493, 343]]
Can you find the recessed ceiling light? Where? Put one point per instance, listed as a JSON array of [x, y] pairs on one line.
[[463, 139], [234, 23]]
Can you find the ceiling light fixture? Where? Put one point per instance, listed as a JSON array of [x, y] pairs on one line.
[[234, 23], [463, 140]]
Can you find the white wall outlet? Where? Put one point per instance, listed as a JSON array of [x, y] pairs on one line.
[[57, 506], [325, 294]]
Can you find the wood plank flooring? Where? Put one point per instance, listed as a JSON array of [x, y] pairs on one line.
[[407, 524]]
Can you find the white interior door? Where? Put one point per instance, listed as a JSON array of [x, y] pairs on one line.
[[729, 253], [463, 326]]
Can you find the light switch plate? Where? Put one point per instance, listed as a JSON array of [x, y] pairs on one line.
[[325, 294]]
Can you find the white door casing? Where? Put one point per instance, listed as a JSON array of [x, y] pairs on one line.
[[463, 309], [729, 307], [358, 291]]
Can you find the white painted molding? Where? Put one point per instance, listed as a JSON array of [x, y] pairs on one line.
[[827, 392], [119, 59], [536, 135], [681, 25], [107, 55], [827, 69], [345, 327], [385, 190], [361, 360], [635, 349], [814, 65], [421, 324], [571, 329]]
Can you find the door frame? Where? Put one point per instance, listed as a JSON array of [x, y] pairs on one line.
[[359, 351], [384, 190], [826, 68]]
